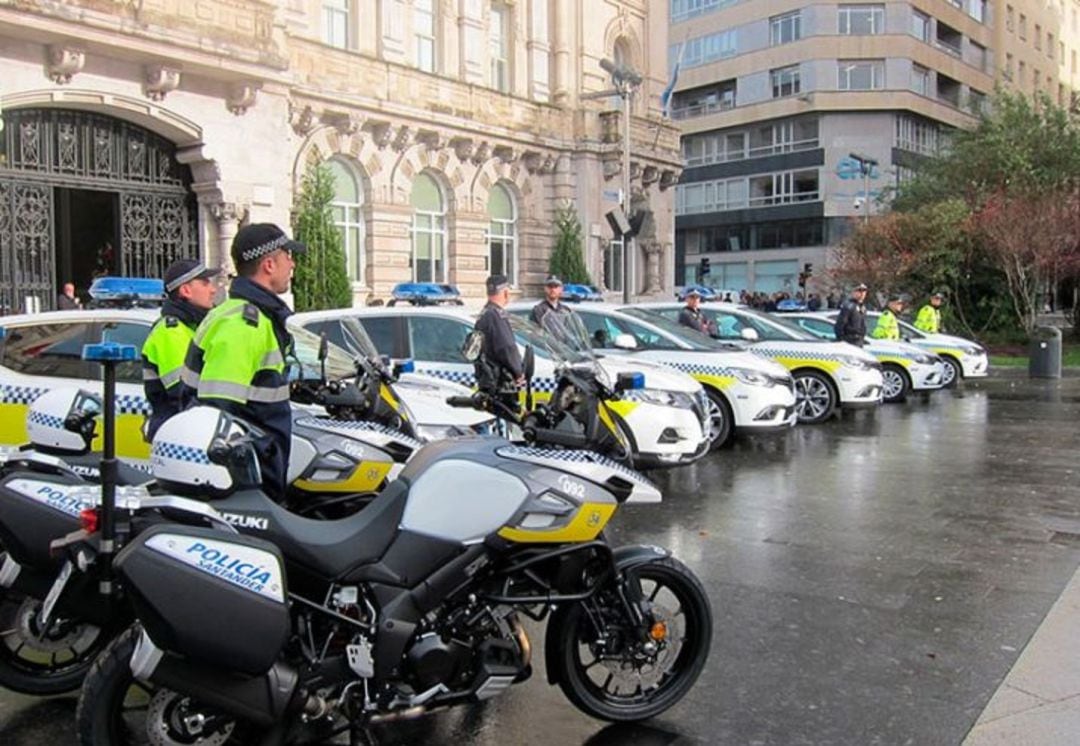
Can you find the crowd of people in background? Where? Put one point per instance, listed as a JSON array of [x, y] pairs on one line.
[[769, 302]]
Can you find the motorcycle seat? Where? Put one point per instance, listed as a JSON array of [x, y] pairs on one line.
[[329, 548]]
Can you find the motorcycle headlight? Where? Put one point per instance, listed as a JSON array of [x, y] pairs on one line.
[[751, 377], [661, 398]]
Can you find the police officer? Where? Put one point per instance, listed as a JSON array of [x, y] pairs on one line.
[[499, 369], [887, 326], [552, 302], [236, 361], [850, 323], [692, 315], [929, 318], [190, 288]]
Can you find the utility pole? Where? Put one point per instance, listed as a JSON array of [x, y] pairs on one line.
[[625, 80], [866, 164]]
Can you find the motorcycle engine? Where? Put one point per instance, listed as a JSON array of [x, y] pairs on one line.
[[434, 661]]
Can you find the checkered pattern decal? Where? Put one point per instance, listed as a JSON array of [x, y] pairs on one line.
[[177, 452], [526, 453], [801, 354], [698, 368], [369, 427], [45, 420], [465, 378], [20, 394], [132, 404]]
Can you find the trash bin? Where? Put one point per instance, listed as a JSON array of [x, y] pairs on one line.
[[1044, 359]]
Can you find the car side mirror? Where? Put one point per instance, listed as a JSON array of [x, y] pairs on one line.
[[528, 363], [629, 381], [625, 342], [749, 334]]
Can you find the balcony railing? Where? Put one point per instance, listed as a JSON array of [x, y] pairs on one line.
[[701, 110]]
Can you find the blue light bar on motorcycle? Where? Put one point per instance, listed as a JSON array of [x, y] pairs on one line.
[[405, 366], [106, 351], [425, 293], [111, 289]]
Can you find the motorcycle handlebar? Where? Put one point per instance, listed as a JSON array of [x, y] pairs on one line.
[[463, 402], [557, 438]]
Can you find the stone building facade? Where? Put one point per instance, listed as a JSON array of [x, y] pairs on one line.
[[136, 132]]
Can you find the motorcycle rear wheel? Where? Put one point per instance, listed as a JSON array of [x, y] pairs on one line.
[[606, 674], [39, 662], [116, 710]]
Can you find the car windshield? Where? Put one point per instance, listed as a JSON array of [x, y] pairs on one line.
[[561, 346], [797, 331], [339, 363], [693, 339]]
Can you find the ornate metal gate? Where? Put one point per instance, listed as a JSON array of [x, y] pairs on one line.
[[41, 149]]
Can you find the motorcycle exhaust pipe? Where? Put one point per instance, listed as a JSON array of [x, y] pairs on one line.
[[262, 700]]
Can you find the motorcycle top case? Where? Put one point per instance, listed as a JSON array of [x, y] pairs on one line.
[[36, 508], [208, 595]]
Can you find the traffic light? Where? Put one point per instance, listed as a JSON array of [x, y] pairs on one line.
[[802, 279], [704, 270], [808, 270]]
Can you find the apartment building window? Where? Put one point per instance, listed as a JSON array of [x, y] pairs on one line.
[[1010, 19], [1061, 94], [977, 10], [1023, 26], [785, 81], [862, 20], [703, 150], [917, 135], [699, 102], [428, 230], [1061, 53], [1035, 78], [502, 234], [613, 261], [763, 190], [347, 211], [1021, 71], [1049, 45], [786, 28], [783, 188], [335, 16], [424, 31], [861, 75], [705, 49], [499, 47], [1008, 66], [1072, 61], [920, 26], [979, 57], [1038, 37], [683, 9], [920, 80], [976, 101]]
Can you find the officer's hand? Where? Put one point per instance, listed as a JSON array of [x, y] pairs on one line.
[[519, 381]]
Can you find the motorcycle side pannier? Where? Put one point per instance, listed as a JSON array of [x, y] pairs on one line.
[[34, 510], [208, 595]]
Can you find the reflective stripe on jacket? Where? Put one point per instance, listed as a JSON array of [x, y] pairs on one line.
[[163, 355]]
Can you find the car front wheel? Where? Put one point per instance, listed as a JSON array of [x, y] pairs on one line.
[[815, 397]]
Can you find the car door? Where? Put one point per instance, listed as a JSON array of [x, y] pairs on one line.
[[34, 359], [602, 329], [132, 407]]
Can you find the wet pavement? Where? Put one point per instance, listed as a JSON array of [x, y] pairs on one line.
[[873, 580]]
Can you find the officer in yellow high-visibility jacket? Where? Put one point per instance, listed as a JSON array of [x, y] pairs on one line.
[[237, 360], [190, 287], [929, 318], [887, 325]]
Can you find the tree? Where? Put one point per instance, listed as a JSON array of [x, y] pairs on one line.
[[1031, 238], [321, 279], [567, 262]]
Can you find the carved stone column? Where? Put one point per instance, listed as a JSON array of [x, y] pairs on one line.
[[228, 216], [653, 280]]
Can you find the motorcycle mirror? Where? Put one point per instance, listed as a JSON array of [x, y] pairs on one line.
[[750, 335], [324, 351], [625, 342], [529, 362], [629, 381]]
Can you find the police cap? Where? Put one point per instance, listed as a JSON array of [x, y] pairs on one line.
[[183, 271], [553, 282], [260, 239], [497, 283]]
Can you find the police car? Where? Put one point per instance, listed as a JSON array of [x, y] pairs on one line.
[[746, 393], [827, 375], [39, 352], [904, 367], [666, 420]]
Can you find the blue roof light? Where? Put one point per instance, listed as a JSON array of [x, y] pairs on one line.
[[138, 289], [574, 292], [106, 351], [425, 293]]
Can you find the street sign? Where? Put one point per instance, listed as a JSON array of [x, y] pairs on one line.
[[613, 195]]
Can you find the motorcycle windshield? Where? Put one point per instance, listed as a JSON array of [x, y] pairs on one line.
[[305, 364], [564, 339]]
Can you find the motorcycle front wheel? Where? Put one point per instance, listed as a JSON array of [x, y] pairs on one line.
[[605, 668], [116, 710], [43, 662]]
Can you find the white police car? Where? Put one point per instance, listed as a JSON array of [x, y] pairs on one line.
[[746, 393], [40, 352], [827, 374], [963, 358], [904, 367], [666, 420]]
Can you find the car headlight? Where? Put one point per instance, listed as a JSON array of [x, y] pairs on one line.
[[854, 362], [972, 350], [751, 377], [924, 359], [661, 398]]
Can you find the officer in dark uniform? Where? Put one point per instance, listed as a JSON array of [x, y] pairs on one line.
[[499, 369], [692, 315], [850, 323], [190, 287], [552, 302], [237, 359]]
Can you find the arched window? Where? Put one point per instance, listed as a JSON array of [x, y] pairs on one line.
[[428, 231], [347, 209], [502, 234]]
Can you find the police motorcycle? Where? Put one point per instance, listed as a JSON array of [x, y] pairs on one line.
[[294, 631], [352, 435], [579, 413]]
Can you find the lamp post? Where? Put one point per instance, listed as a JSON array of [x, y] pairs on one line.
[[625, 80], [866, 164]]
